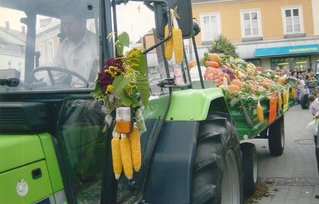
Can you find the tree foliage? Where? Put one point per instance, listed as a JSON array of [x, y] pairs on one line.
[[222, 45]]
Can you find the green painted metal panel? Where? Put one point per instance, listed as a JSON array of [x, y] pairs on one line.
[[192, 104], [51, 161], [248, 130], [156, 107], [20, 150], [34, 189]]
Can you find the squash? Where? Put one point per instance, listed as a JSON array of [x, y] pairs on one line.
[[214, 57], [232, 88]]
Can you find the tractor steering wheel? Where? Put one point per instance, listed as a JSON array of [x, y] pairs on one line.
[[53, 81]]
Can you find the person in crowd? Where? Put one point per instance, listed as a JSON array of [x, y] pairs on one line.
[[78, 50], [314, 110]]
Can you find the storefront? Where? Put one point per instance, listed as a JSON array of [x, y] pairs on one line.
[[296, 57]]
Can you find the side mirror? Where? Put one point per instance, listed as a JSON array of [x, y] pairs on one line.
[[184, 11]]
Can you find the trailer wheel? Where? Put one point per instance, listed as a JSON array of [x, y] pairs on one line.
[[250, 168], [276, 137], [304, 102], [217, 169]]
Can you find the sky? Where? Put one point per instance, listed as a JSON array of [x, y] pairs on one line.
[[136, 19]]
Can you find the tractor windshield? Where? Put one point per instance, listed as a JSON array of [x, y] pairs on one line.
[[48, 45]]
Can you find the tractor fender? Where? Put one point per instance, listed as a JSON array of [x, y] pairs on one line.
[[194, 104], [169, 179]]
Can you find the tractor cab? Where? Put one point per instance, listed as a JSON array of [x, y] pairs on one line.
[[51, 128], [37, 43]]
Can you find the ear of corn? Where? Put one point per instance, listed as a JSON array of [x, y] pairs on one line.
[[293, 93], [136, 148], [178, 44], [260, 112], [116, 157], [168, 45], [286, 97], [279, 100], [126, 156]]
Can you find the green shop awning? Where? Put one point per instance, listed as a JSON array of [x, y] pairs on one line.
[[287, 50]]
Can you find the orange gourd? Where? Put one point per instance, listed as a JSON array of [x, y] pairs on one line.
[[214, 57], [233, 88]]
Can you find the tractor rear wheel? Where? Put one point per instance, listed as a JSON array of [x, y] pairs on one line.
[[276, 137], [217, 176]]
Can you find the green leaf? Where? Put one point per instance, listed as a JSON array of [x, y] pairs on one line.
[[124, 39], [97, 91], [119, 48], [143, 89], [125, 99], [119, 84], [142, 81]]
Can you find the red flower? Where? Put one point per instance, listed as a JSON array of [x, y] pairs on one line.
[[104, 77]]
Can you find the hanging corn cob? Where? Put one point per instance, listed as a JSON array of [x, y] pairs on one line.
[[136, 148], [279, 100], [178, 44], [116, 155], [168, 45], [260, 112], [177, 38], [126, 156]]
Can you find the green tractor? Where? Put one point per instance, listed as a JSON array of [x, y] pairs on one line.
[[54, 144]]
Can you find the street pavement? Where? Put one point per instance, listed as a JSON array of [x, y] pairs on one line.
[[292, 178]]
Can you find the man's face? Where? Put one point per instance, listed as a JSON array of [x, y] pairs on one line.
[[73, 27]]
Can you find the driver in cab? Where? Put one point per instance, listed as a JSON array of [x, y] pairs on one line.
[[77, 52]]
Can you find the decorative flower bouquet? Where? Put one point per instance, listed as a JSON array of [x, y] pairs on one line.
[[123, 87]]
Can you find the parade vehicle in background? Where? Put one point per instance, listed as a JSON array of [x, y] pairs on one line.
[[56, 138]]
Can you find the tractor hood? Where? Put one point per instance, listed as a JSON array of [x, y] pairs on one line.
[[19, 150]]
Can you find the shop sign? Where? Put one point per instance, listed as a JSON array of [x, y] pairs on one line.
[[275, 51]]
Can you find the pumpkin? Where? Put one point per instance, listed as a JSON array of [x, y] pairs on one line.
[[233, 88], [214, 57], [237, 82], [213, 64], [191, 63], [282, 80]]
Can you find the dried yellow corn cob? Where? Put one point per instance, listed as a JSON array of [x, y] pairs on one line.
[[168, 45], [126, 156], [178, 45], [116, 155], [136, 148], [260, 112], [286, 97], [293, 93], [279, 100]]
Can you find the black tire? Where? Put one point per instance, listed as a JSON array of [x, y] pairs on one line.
[[304, 102], [217, 176], [276, 137], [250, 168]]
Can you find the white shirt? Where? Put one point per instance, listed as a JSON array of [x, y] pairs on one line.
[[314, 106], [81, 57]]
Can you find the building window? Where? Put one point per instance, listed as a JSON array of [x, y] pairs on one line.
[[210, 24], [250, 23], [40, 49], [292, 19], [50, 51]]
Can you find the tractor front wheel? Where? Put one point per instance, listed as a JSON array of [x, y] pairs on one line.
[[217, 169]]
